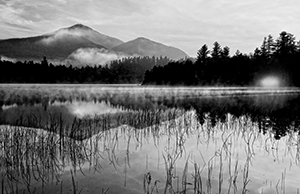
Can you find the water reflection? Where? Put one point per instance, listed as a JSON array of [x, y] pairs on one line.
[[224, 144], [279, 112]]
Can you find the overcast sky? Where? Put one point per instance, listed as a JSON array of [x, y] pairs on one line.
[[186, 24]]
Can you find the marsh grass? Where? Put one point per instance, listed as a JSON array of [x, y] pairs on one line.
[[36, 155]]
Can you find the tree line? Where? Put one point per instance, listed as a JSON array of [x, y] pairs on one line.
[[278, 57], [124, 71]]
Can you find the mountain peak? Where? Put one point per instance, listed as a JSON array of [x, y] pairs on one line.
[[92, 35], [79, 26], [142, 39], [146, 47]]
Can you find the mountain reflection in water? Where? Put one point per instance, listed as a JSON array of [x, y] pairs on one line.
[[234, 143]]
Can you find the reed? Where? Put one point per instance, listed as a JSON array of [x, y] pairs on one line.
[[198, 188]]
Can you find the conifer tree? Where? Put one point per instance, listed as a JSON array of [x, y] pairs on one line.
[[202, 54]]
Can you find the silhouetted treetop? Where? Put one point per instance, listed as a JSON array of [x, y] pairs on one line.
[[202, 54]]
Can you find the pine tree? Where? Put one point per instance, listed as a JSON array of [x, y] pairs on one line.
[[225, 52], [216, 51], [270, 45], [263, 48], [285, 44], [202, 54]]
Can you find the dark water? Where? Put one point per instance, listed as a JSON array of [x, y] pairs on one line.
[[131, 139]]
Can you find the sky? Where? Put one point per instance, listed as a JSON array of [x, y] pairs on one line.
[[239, 24]]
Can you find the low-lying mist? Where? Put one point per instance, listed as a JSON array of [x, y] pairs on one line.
[[4, 58], [61, 34], [92, 56]]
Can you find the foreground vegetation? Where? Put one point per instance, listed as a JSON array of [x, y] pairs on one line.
[[37, 161]]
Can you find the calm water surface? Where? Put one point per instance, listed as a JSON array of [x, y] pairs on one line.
[[133, 139]]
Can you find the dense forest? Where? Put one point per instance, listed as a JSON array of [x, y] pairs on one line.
[[124, 71], [280, 58]]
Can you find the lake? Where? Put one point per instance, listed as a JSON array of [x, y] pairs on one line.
[[136, 139]]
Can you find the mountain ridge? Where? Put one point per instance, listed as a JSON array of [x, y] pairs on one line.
[[147, 47]]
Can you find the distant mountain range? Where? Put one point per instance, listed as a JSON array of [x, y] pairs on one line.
[[66, 42]]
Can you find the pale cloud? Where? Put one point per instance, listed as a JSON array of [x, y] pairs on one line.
[[10, 14], [188, 25], [62, 1]]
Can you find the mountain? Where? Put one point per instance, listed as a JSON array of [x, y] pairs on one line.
[[92, 35], [145, 47], [52, 46], [84, 43], [56, 45]]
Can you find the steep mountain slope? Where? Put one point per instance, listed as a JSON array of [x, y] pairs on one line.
[[56, 45], [51, 46], [145, 47], [92, 35]]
